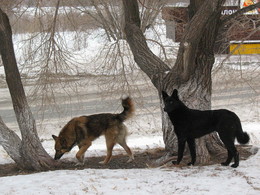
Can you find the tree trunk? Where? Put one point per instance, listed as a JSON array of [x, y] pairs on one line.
[[33, 156], [192, 71], [195, 85]]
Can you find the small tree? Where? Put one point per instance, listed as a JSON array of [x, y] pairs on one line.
[[27, 152]]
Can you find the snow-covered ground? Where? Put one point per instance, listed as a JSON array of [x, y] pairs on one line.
[[211, 180], [145, 134], [214, 179]]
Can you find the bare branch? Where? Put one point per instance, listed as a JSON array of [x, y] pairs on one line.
[[162, 48]]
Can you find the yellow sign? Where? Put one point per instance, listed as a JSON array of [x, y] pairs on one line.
[[244, 48]]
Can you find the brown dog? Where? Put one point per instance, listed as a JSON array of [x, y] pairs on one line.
[[83, 130]]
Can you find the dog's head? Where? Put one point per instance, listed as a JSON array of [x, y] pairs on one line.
[[172, 102], [60, 147]]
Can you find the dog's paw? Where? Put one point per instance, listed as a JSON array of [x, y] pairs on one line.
[[80, 158], [102, 162], [235, 165], [190, 164], [79, 164], [130, 159], [224, 164]]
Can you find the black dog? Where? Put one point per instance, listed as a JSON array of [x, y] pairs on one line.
[[190, 124]]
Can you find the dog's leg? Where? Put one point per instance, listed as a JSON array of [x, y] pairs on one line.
[[192, 147], [127, 149], [82, 149], [232, 151], [236, 159], [110, 145], [181, 146], [229, 158]]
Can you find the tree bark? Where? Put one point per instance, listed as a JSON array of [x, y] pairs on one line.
[[11, 143], [191, 73], [33, 156]]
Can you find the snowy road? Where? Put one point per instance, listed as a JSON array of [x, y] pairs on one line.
[[95, 102]]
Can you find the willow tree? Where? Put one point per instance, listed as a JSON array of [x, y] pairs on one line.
[[191, 73], [26, 151]]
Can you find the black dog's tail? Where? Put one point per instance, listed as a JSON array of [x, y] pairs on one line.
[[128, 111], [242, 137]]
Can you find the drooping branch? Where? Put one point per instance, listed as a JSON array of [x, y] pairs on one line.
[[53, 29], [239, 13], [149, 63]]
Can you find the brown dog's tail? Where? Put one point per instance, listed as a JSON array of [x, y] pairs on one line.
[[128, 111]]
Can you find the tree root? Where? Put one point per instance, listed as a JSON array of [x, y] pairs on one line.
[[163, 160]]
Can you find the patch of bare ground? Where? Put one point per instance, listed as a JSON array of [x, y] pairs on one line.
[[142, 160]]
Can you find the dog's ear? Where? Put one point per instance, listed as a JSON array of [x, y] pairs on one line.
[[54, 137], [164, 95], [175, 94]]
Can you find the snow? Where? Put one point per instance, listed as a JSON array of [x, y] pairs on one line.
[[198, 180], [144, 134]]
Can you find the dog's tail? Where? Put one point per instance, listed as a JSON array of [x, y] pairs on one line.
[[128, 111], [242, 137]]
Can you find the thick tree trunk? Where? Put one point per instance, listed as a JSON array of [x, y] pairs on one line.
[[192, 71], [33, 156], [195, 85]]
